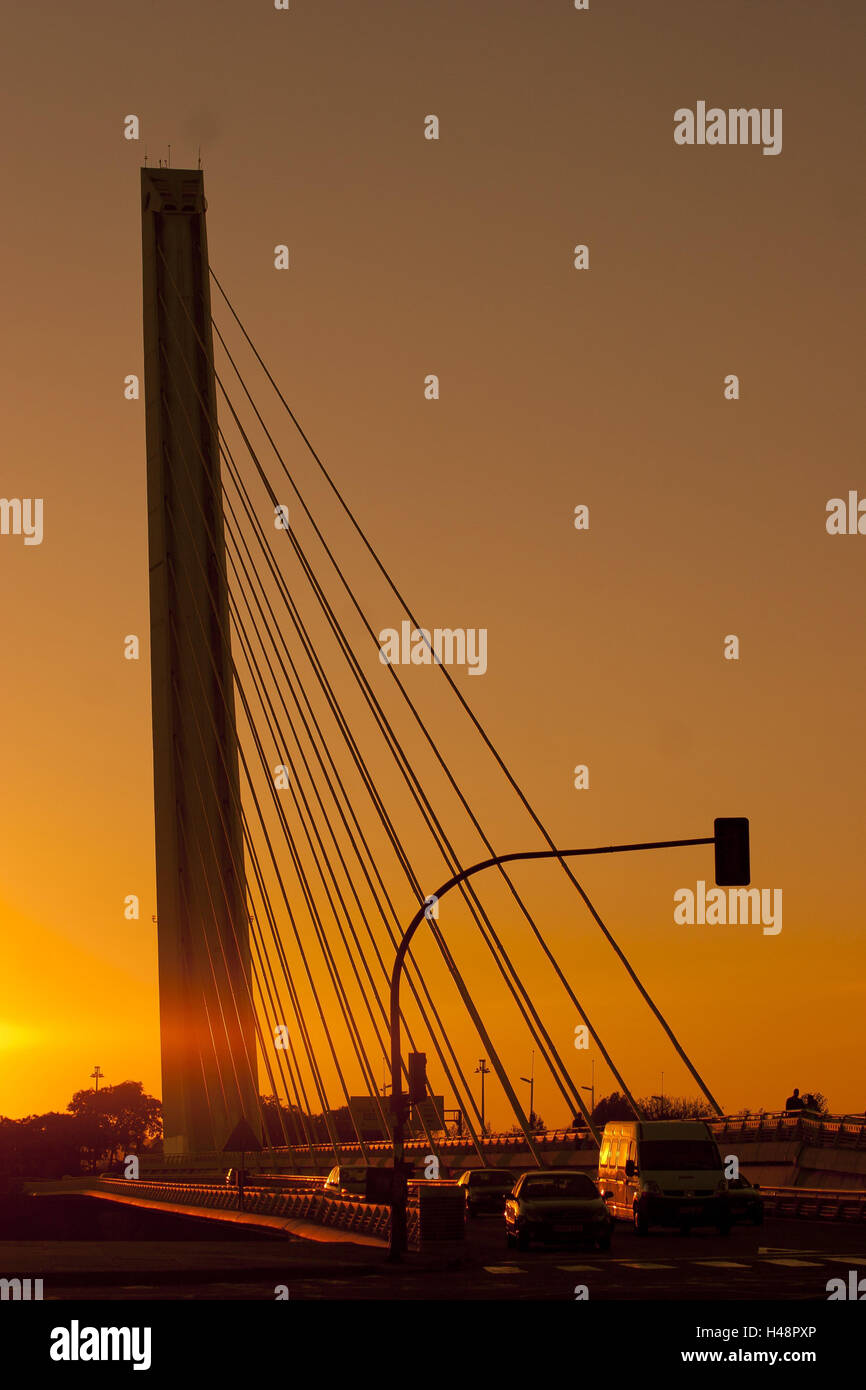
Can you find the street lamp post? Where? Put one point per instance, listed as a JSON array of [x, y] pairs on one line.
[[591, 1089], [731, 840], [530, 1081], [482, 1070]]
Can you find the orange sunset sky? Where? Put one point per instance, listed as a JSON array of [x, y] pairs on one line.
[[558, 387]]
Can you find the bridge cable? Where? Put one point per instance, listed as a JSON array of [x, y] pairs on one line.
[[350, 879], [252, 788], [455, 688], [517, 1108], [219, 936], [216, 673], [238, 869], [264, 763], [432, 820], [211, 602]]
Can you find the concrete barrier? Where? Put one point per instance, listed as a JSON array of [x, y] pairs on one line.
[[354, 1218]]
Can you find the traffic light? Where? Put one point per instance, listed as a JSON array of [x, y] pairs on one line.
[[732, 851], [417, 1077]]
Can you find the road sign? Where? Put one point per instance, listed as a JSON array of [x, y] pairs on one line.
[[242, 1139], [367, 1117], [427, 1112]]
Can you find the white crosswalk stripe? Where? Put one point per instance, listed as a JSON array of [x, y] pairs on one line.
[[642, 1264], [783, 1259], [796, 1253], [719, 1264], [793, 1264]]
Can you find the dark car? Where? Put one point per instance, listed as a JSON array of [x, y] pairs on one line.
[[745, 1202], [485, 1189], [557, 1205]]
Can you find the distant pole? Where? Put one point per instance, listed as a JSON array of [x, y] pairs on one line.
[[95, 1075], [530, 1080], [591, 1090], [483, 1070]]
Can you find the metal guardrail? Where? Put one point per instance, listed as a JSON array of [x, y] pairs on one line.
[[815, 1203], [843, 1133], [289, 1182], [341, 1212]]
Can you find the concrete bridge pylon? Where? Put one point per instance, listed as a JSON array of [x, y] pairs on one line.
[[206, 1018]]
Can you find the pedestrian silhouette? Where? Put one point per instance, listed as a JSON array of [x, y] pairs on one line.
[[794, 1101]]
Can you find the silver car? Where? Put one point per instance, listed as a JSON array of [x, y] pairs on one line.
[[556, 1204]]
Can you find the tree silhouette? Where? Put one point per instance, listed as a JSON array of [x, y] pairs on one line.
[[674, 1107], [616, 1107], [121, 1119], [612, 1107], [40, 1146], [117, 1120], [819, 1105]]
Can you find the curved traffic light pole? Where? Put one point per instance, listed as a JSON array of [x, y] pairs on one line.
[[400, 1100]]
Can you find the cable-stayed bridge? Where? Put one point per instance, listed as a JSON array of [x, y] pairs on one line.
[[307, 801]]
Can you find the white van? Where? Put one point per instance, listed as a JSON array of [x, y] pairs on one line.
[[663, 1173]]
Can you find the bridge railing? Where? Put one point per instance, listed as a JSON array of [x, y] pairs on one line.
[[821, 1131], [815, 1203], [845, 1131], [367, 1218]]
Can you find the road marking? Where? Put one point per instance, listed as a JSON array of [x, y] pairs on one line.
[[504, 1269], [720, 1264], [794, 1264], [788, 1250], [846, 1259], [578, 1269], [641, 1264]]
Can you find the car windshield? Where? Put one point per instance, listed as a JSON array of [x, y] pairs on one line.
[[559, 1185], [665, 1155], [486, 1177]]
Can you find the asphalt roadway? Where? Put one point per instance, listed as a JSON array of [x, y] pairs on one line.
[[780, 1260]]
